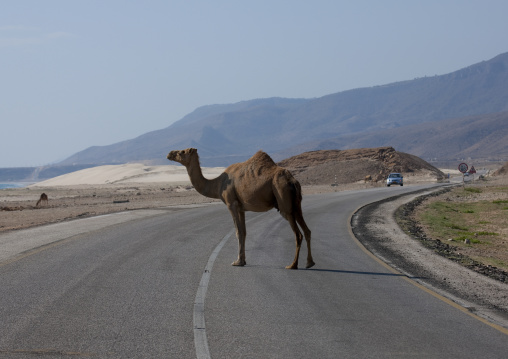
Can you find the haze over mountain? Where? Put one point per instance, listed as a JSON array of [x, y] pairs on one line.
[[461, 114], [478, 137]]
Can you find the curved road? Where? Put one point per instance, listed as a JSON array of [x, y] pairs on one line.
[[126, 285]]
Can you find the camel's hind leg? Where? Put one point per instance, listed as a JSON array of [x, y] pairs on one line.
[[298, 238], [297, 217], [288, 194], [307, 233]]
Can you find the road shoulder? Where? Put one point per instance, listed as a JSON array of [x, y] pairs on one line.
[[375, 227], [20, 243]]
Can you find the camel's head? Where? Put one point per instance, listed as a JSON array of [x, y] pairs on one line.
[[184, 156]]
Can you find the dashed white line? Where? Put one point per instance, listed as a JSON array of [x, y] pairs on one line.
[[200, 340]]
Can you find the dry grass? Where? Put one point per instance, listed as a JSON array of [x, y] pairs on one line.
[[473, 218]]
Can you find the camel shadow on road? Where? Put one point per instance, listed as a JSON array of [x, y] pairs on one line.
[[363, 273]]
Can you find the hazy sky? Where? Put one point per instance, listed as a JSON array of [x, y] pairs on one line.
[[76, 74]]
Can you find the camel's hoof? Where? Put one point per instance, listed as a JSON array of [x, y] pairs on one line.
[[239, 263], [292, 266], [310, 264]]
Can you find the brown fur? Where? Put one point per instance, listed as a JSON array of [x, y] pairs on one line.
[[43, 199], [257, 185]]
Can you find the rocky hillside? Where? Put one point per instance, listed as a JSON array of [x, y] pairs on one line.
[[503, 171], [348, 166]]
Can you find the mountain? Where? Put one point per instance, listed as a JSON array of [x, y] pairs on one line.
[[480, 137], [222, 133], [403, 115]]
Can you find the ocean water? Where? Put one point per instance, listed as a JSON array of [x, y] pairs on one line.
[[10, 185]]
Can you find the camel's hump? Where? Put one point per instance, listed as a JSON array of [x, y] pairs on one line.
[[262, 158], [258, 163]]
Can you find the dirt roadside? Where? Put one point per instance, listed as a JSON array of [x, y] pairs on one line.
[[376, 228], [18, 208]]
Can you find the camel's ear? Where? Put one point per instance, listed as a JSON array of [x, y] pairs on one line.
[[192, 150]]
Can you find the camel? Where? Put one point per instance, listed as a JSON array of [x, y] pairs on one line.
[[257, 185], [44, 198]]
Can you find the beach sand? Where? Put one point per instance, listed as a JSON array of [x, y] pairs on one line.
[[99, 190], [115, 188]]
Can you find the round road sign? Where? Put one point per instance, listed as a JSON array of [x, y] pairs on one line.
[[463, 167]]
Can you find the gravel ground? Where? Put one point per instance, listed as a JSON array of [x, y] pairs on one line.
[[376, 228], [18, 208]]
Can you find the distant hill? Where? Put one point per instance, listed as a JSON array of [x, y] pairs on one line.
[[348, 166], [439, 116], [479, 137]]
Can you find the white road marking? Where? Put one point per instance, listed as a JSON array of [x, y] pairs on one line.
[[200, 340]]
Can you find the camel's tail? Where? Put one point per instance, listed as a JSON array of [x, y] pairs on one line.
[[297, 198], [298, 190]]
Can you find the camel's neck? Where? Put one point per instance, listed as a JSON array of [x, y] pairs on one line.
[[206, 187]]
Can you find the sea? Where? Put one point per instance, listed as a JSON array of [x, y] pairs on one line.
[[11, 185]]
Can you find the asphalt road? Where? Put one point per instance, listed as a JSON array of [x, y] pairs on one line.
[[160, 284]]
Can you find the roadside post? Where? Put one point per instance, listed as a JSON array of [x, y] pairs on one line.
[[463, 169]]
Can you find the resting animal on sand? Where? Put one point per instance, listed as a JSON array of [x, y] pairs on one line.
[[257, 185], [44, 198]]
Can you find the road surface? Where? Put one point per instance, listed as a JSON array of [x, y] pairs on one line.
[[159, 284]]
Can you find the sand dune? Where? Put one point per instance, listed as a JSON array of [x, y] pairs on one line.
[[127, 173]]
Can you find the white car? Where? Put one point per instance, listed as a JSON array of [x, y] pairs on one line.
[[395, 178]]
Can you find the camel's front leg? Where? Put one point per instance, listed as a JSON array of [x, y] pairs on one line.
[[241, 232]]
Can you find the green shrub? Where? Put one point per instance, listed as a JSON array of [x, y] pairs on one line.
[[488, 234], [473, 190], [460, 228]]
